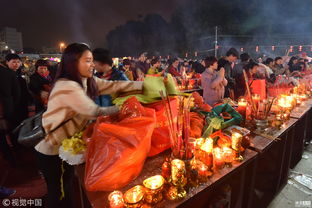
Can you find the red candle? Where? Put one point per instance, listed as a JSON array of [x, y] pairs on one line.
[[242, 106]]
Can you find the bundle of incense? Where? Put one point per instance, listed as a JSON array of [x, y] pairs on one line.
[[268, 109], [248, 91], [168, 112]]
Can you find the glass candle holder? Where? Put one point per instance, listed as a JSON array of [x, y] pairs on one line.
[[202, 172], [178, 172], [206, 152], [228, 154], [236, 141], [178, 177], [218, 158], [154, 187], [242, 106], [116, 199], [133, 198]]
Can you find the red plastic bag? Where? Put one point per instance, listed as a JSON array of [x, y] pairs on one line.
[[160, 137], [117, 150]]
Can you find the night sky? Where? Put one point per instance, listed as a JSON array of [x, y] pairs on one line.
[[47, 22]]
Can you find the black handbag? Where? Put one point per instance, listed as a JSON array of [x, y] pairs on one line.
[[31, 131]]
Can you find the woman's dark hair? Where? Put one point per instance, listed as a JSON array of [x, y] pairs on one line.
[[154, 61], [42, 62], [268, 61], [278, 58], [291, 61], [250, 65], [244, 57], [173, 60], [209, 61], [68, 67]]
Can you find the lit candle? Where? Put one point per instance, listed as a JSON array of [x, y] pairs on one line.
[[199, 143], [228, 155], [134, 197], [154, 187], [242, 106], [207, 146], [206, 155], [217, 158], [116, 199], [236, 140], [178, 172], [202, 171]]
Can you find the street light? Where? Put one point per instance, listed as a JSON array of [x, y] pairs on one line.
[[62, 45], [6, 47]]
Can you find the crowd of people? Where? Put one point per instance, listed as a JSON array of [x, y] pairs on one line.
[[75, 87]]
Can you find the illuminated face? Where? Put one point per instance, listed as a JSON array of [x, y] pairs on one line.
[[175, 64], [86, 65], [14, 64], [43, 70], [279, 61]]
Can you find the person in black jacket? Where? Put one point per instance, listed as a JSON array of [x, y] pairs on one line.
[[40, 84], [228, 64], [14, 63], [9, 100]]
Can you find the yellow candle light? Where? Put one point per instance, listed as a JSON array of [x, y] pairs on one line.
[[178, 172], [228, 154], [206, 152], [218, 158], [199, 143], [236, 140], [242, 106], [207, 146], [202, 171], [116, 199], [154, 187], [134, 197]]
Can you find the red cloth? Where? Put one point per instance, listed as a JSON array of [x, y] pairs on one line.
[[174, 71]]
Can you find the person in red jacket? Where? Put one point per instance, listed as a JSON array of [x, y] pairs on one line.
[[173, 68]]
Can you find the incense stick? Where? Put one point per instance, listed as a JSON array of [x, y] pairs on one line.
[[248, 91]]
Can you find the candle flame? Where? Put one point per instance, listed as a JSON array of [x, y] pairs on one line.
[[154, 182], [208, 145]]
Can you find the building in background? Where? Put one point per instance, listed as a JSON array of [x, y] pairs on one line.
[[12, 38]]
